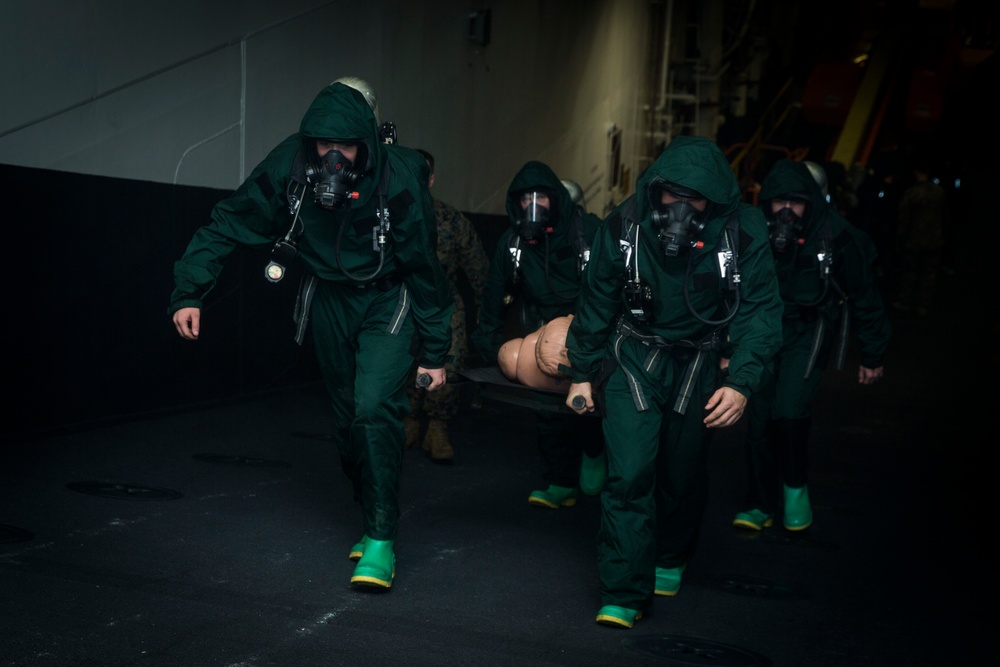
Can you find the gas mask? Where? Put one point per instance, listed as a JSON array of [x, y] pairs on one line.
[[785, 228], [679, 222], [535, 219], [678, 226], [333, 180]]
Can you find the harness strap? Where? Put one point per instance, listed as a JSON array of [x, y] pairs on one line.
[[307, 290], [303, 303], [402, 308], [638, 396], [840, 355], [845, 327], [816, 344], [658, 344]]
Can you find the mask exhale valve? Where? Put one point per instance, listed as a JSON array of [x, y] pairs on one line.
[[334, 180], [785, 229], [678, 227]]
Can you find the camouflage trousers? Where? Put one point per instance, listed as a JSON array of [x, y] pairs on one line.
[[443, 403]]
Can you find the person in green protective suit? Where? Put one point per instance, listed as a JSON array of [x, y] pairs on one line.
[[358, 216], [534, 277], [673, 269], [826, 278]]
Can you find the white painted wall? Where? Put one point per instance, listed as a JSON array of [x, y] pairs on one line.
[[198, 91]]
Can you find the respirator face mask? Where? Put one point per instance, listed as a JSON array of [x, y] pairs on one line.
[[785, 228], [679, 222], [535, 219], [334, 180]]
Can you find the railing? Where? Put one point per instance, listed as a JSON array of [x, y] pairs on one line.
[[750, 155]]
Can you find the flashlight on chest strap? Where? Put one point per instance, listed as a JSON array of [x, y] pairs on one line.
[[281, 256]]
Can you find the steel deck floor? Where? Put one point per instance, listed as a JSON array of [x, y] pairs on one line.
[[220, 537]]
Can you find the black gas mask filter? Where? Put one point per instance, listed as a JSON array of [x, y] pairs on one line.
[[679, 223], [785, 229], [333, 180], [535, 220]]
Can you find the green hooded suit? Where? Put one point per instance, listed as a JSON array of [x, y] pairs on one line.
[[828, 287], [544, 284], [371, 313], [653, 377]]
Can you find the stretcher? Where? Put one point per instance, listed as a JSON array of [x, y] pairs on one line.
[[493, 384]]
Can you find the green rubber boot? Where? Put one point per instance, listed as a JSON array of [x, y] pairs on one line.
[[798, 513], [668, 580], [593, 472], [553, 497], [377, 566], [753, 519], [618, 617], [358, 550]]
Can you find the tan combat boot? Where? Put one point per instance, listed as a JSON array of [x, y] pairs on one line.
[[436, 441], [412, 427]]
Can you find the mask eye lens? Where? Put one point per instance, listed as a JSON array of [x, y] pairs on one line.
[[535, 215]]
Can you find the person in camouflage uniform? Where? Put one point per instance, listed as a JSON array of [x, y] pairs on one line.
[[459, 250], [923, 217]]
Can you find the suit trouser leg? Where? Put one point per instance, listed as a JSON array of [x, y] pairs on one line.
[[654, 497], [791, 419], [681, 486], [560, 446], [792, 436], [759, 446], [365, 368]]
